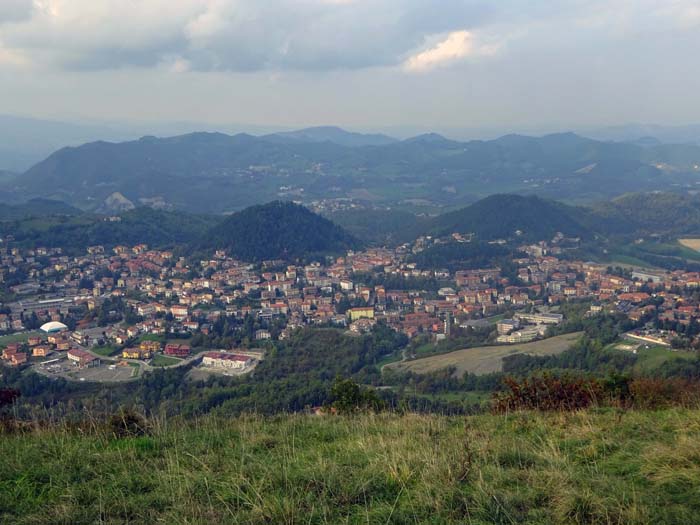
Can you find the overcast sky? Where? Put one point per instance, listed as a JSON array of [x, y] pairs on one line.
[[356, 63]]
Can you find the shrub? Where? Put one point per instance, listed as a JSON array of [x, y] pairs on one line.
[[547, 392], [127, 423], [658, 393]]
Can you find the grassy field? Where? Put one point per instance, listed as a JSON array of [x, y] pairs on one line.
[[486, 359], [693, 244], [16, 338], [650, 359], [163, 360], [598, 467], [105, 351]]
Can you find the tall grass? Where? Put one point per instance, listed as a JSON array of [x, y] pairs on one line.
[[597, 466]]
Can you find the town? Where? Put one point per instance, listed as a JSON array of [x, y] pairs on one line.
[[112, 315]]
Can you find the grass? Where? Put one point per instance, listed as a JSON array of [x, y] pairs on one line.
[[586, 467], [17, 338], [163, 360], [486, 359], [105, 351], [652, 358]]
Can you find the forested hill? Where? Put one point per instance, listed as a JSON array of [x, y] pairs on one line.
[[505, 216], [214, 172], [277, 230]]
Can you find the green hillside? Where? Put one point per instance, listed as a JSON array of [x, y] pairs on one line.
[[507, 216], [277, 230], [214, 172], [600, 466]]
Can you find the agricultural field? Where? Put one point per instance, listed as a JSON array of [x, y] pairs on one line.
[[486, 359], [693, 244]]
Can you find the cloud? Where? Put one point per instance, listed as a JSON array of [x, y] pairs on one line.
[[456, 46], [230, 35], [303, 35], [13, 10]]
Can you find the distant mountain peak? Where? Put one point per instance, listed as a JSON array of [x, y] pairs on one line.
[[332, 134]]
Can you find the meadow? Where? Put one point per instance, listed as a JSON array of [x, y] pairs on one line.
[[597, 466], [486, 359]]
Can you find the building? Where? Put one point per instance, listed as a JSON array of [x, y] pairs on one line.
[[82, 359], [80, 338], [506, 326], [41, 351], [363, 312], [538, 318], [136, 353], [53, 327], [18, 359], [151, 346], [261, 335], [176, 350], [520, 336], [226, 360]]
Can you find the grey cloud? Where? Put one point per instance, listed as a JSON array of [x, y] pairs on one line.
[[250, 35], [15, 10]]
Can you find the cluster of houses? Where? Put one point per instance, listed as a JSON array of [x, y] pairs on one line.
[[169, 294]]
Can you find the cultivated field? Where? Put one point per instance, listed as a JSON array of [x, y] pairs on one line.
[[486, 359], [693, 244]]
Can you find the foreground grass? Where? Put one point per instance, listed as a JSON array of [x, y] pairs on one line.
[[587, 467]]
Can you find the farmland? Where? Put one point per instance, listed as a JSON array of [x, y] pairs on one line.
[[486, 359], [693, 244]]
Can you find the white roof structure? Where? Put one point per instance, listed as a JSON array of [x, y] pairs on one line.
[[53, 326]]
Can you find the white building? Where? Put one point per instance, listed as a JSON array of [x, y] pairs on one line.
[[226, 360]]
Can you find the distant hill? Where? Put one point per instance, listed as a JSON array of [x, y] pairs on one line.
[[510, 216], [214, 172], [332, 134], [277, 230], [380, 227], [36, 208], [661, 213], [76, 231]]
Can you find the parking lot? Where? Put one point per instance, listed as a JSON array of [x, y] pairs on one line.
[[105, 373]]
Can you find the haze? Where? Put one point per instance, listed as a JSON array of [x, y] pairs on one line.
[[358, 63]]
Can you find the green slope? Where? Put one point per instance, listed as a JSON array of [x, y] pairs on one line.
[[584, 467]]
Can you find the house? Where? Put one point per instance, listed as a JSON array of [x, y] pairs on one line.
[[151, 346], [261, 335], [41, 351], [18, 359], [176, 350], [180, 312], [136, 353], [363, 312], [82, 359], [226, 361], [8, 352]]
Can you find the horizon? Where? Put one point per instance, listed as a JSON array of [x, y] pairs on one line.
[[362, 65]]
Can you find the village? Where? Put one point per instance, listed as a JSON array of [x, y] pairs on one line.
[[112, 315]]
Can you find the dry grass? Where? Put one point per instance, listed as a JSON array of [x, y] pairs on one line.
[[486, 359], [583, 467], [693, 244]]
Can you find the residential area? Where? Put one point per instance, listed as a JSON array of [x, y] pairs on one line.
[[114, 314]]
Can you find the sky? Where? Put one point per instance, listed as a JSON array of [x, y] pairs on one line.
[[362, 64]]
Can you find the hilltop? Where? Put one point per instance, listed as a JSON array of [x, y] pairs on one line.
[[599, 466], [277, 230], [506, 216], [215, 172]]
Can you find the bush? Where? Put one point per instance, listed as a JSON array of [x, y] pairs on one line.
[[547, 392], [127, 423], [658, 393]]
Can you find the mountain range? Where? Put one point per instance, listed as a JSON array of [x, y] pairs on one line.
[[215, 172]]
